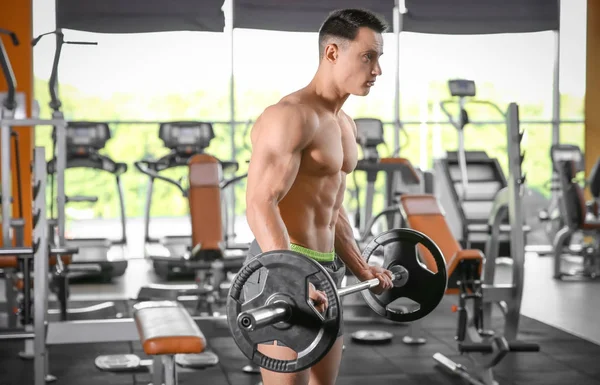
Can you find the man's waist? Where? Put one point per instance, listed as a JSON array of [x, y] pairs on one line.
[[318, 256]]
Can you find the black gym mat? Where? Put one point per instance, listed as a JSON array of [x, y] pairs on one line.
[[564, 359]]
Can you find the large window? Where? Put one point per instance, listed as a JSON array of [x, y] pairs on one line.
[[184, 75], [133, 77]]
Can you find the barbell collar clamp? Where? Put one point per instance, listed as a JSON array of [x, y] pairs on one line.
[[260, 317]]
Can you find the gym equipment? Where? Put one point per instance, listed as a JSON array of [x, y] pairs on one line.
[[76, 144], [12, 228], [467, 182], [187, 141], [372, 337], [576, 238], [9, 107], [121, 363], [578, 217], [59, 133], [36, 319], [14, 114], [401, 177], [197, 361], [170, 336], [485, 348], [47, 332], [283, 311], [97, 256], [552, 216], [206, 254]]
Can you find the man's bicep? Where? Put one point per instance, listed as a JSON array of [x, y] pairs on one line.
[[272, 172]]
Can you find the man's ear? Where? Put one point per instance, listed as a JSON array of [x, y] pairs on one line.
[[331, 52]]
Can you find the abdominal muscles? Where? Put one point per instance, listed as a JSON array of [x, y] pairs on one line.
[[310, 209]]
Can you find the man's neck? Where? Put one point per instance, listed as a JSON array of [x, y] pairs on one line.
[[323, 86]]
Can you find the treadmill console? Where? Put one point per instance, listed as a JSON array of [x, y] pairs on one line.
[[462, 87], [567, 152], [86, 137], [186, 137], [369, 134]]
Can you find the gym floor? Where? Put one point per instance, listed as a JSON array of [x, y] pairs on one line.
[[560, 316], [563, 358]]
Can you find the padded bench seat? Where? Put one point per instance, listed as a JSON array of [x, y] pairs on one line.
[[166, 328], [423, 213], [166, 331]]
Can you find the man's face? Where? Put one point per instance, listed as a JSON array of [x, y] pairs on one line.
[[357, 65]]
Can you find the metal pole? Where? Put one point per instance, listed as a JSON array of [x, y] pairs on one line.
[[40, 248], [516, 220], [61, 165], [6, 184], [462, 156], [397, 28], [556, 91], [404, 123], [424, 131], [231, 223], [556, 96]]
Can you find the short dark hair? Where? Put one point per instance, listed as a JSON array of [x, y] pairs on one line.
[[344, 24]]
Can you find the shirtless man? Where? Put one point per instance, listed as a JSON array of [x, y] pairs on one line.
[[303, 148]]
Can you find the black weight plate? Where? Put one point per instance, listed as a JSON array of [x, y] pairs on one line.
[[424, 287], [306, 332]]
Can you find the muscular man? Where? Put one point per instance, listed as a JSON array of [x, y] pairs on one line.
[[302, 149]]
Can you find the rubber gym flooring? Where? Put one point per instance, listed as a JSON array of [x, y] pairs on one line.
[[563, 358]]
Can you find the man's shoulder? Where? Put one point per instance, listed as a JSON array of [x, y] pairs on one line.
[[287, 121], [286, 107], [291, 110]]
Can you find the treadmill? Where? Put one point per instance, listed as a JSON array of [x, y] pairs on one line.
[[400, 176], [184, 139], [468, 214], [100, 257]]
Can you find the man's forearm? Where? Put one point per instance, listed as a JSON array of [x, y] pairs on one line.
[[346, 247], [267, 227]]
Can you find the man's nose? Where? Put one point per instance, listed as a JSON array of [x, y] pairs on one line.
[[377, 70]]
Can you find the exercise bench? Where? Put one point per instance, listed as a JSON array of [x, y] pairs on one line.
[[167, 333], [485, 348]]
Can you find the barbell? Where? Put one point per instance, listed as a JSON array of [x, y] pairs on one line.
[[281, 311], [284, 312]]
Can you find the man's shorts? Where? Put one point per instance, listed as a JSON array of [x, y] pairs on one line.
[[254, 284]]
